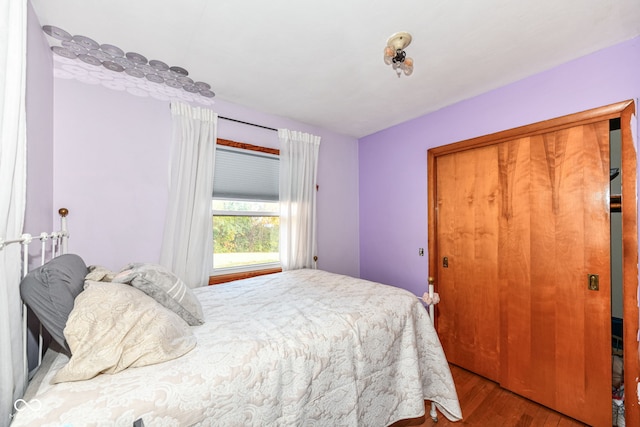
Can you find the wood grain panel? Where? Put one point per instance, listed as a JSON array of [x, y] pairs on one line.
[[555, 331], [597, 304], [515, 251], [446, 285], [568, 197], [468, 202]]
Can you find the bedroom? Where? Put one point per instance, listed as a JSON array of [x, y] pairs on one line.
[[354, 224]]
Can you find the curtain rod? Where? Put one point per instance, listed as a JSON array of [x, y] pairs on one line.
[[244, 123], [247, 123]]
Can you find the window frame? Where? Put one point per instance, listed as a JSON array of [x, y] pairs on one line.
[[243, 272]]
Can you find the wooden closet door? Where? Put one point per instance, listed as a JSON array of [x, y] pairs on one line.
[[554, 222], [467, 199]]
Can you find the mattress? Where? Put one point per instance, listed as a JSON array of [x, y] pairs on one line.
[[303, 347]]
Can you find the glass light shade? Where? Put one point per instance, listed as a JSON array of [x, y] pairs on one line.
[[407, 66], [389, 53]]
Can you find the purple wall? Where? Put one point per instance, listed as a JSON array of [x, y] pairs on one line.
[[39, 109], [392, 162], [104, 155], [111, 171]]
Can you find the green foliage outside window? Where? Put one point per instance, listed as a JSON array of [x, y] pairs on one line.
[[238, 234], [245, 233]]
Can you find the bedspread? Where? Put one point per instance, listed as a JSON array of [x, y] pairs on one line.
[[299, 348]]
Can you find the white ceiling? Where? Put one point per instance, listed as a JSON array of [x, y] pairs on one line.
[[320, 62]]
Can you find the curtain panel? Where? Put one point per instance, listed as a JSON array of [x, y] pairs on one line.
[[13, 176], [187, 246], [298, 177]]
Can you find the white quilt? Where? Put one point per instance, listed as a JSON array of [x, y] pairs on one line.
[[300, 348]]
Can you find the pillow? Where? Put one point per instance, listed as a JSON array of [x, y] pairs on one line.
[[165, 287], [114, 326], [50, 290]]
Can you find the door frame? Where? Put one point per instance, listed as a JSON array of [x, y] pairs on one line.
[[631, 320]]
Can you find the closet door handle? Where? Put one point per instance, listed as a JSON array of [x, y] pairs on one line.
[[594, 282]]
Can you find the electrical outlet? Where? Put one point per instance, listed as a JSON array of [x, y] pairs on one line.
[[421, 252]]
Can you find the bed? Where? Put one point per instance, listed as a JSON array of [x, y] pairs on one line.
[[303, 347]]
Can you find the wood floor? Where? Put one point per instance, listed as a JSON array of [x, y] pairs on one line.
[[485, 404]]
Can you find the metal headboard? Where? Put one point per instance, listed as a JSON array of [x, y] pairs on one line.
[[52, 244]]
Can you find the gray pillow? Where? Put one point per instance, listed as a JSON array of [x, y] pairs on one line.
[[50, 291], [165, 287]]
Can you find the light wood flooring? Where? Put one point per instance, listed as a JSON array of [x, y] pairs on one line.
[[485, 404]]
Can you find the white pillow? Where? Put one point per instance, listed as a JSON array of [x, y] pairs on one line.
[[114, 326]]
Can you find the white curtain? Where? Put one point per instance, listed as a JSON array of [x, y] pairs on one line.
[[13, 181], [187, 246], [298, 175]]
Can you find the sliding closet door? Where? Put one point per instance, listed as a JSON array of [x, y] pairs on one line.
[[467, 234], [522, 218], [554, 246]]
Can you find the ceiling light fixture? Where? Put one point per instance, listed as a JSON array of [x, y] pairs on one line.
[[395, 55]]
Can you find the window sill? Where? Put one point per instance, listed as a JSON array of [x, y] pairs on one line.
[[223, 278]]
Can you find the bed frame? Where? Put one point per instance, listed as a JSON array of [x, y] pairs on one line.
[[52, 244]]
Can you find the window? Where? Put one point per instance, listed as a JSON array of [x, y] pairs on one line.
[[245, 206], [245, 233]]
